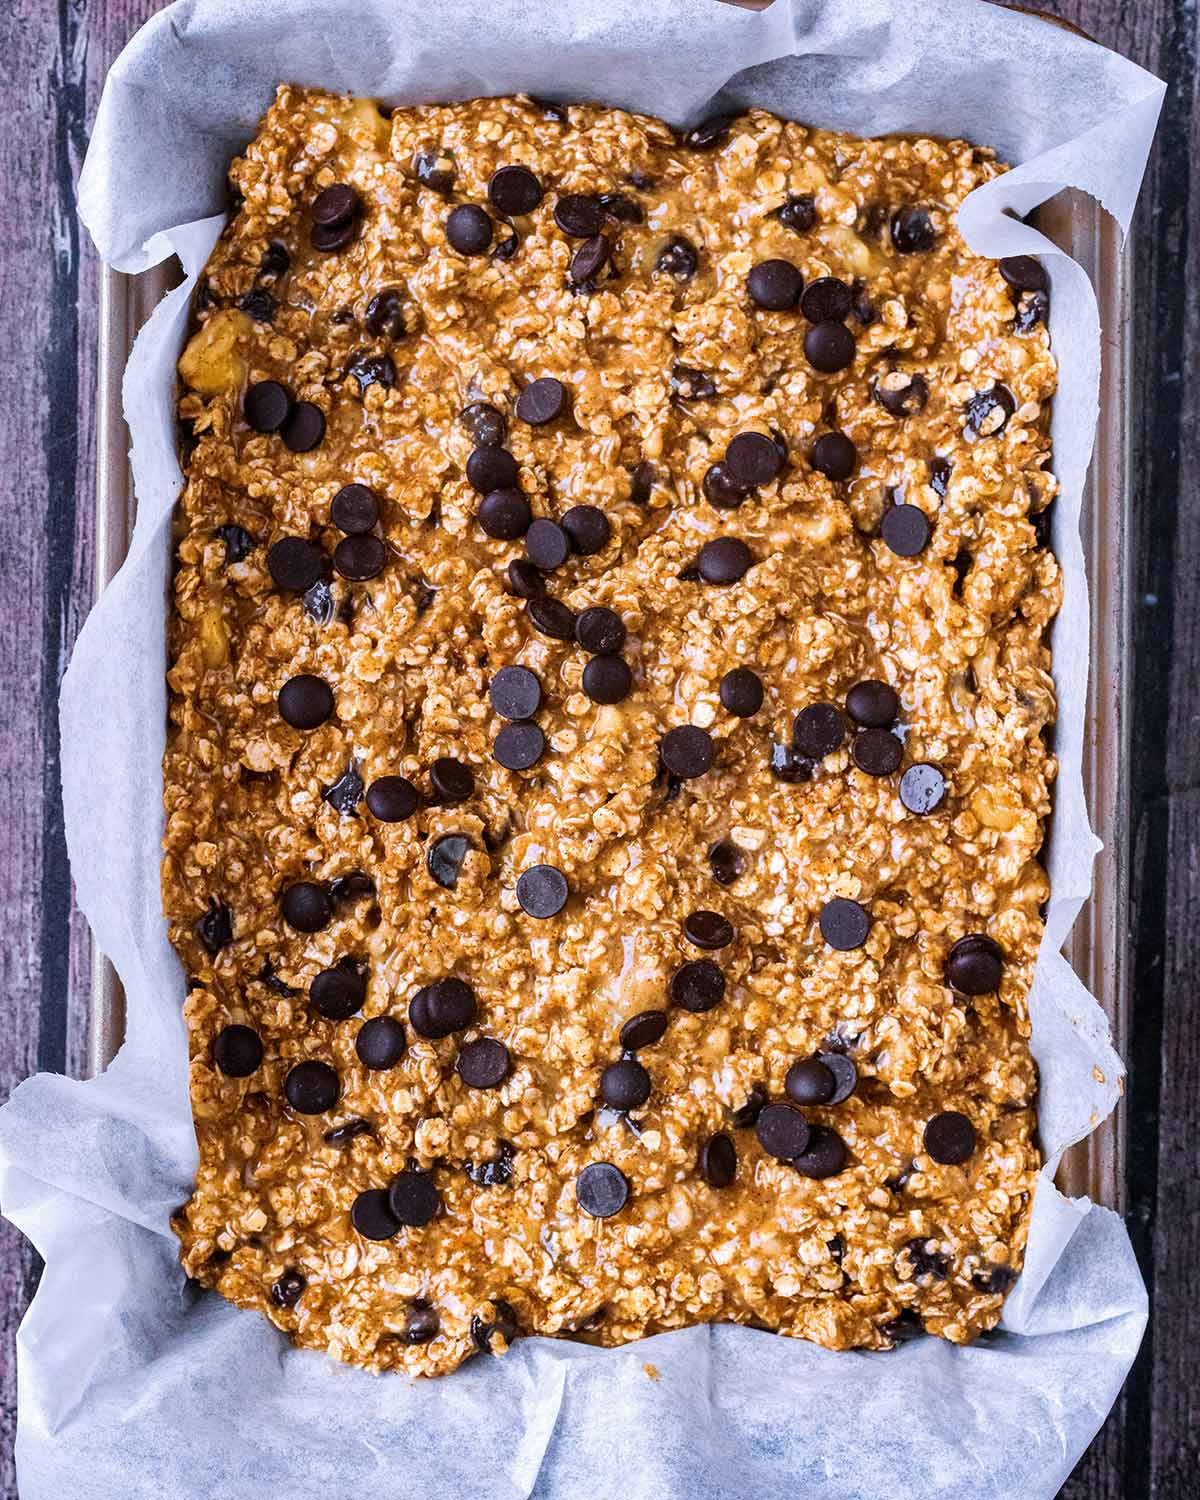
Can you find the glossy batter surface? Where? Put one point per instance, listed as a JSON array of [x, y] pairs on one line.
[[409, 1197]]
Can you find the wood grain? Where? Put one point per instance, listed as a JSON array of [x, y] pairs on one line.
[[56, 52]]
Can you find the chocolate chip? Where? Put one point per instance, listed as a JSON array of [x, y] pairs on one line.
[[421, 1323], [824, 1156], [519, 746], [845, 1075], [495, 1173], [819, 730], [311, 1088], [1024, 273], [452, 781], [214, 929], [834, 455], [872, 703], [469, 229], [993, 1279], [504, 514], [306, 906], [708, 930], [877, 752], [330, 237], [975, 965], [335, 205], [359, 558], [438, 1010], [258, 304], [304, 427], [724, 560], [380, 1043], [551, 617], [721, 489], [687, 751], [350, 887], [435, 170], [524, 579], [602, 1190], [607, 679], [950, 1138], [346, 792], [718, 1160], [354, 509], [339, 993], [752, 459], [237, 1051], [741, 692], [905, 529], [546, 545], [901, 393], [710, 133], [266, 405], [643, 1030], [809, 1082], [371, 369], [588, 261], [318, 602], [922, 787], [798, 213], [692, 385], [384, 317], [276, 262], [641, 482], [491, 468], [413, 1199], [905, 1326], [788, 765], [238, 542], [698, 985], [1032, 309], [341, 1135], [600, 630], [294, 564], [775, 285], [444, 859], [542, 891], [625, 1084], [515, 693], [392, 799], [829, 347], [288, 1290], [782, 1131], [940, 470], [726, 861], [580, 215], [587, 529], [912, 230], [514, 191], [987, 413], [503, 1325], [484, 1063], [678, 258], [371, 1216], [747, 1114], [826, 300], [541, 401], [844, 924]]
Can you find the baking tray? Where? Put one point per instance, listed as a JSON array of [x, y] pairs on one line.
[[1098, 945]]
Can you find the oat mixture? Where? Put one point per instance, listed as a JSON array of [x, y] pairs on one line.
[[607, 769]]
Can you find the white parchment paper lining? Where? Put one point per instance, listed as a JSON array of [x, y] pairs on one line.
[[132, 1386]]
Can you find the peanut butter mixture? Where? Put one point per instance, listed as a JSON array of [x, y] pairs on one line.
[[607, 758]]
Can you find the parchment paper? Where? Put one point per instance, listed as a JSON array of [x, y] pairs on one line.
[[131, 1385]]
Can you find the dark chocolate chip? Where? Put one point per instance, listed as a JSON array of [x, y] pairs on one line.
[[492, 468], [580, 215], [335, 205], [384, 317], [515, 693], [845, 1075], [380, 1043], [692, 385], [359, 558], [311, 1088], [724, 560], [844, 924], [392, 799], [975, 965], [546, 545], [371, 1216], [746, 1115], [834, 455], [641, 482], [469, 229], [643, 1030], [726, 861], [340, 1136], [809, 1081], [625, 1084], [872, 703], [607, 679], [1032, 310], [775, 285], [698, 985], [708, 930], [452, 781], [371, 369], [950, 1138], [798, 213], [541, 401], [827, 300], [940, 470], [922, 787], [294, 564], [752, 459], [354, 509], [238, 542], [495, 1173], [502, 1325], [902, 393], [266, 405], [413, 1199], [237, 1051], [710, 133], [214, 928], [912, 230], [588, 261], [514, 191], [721, 489], [524, 580], [587, 529], [444, 859], [339, 993], [435, 170], [687, 751], [829, 347], [789, 765], [504, 514], [602, 1190], [346, 792], [487, 429], [987, 412], [421, 1323], [288, 1290], [718, 1160], [277, 262], [484, 1063], [678, 258], [542, 891], [993, 1279], [622, 207], [352, 886], [819, 730], [927, 1264], [877, 752], [782, 1131], [258, 304], [741, 692], [519, 746], [824, 1156], [905, 529], [306, 906], [304, 427], [1024, 273], [600, 630], [551, 617]]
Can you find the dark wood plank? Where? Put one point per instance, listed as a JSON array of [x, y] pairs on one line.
[[57, 52]]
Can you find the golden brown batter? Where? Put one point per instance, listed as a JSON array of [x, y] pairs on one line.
[[730, 446]]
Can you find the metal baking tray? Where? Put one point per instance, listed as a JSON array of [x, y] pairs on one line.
[[1098, 945]]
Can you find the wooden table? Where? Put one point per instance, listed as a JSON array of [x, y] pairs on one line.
[[57, 52]]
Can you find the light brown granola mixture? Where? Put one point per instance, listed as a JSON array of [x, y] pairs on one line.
[[855, 1259]]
